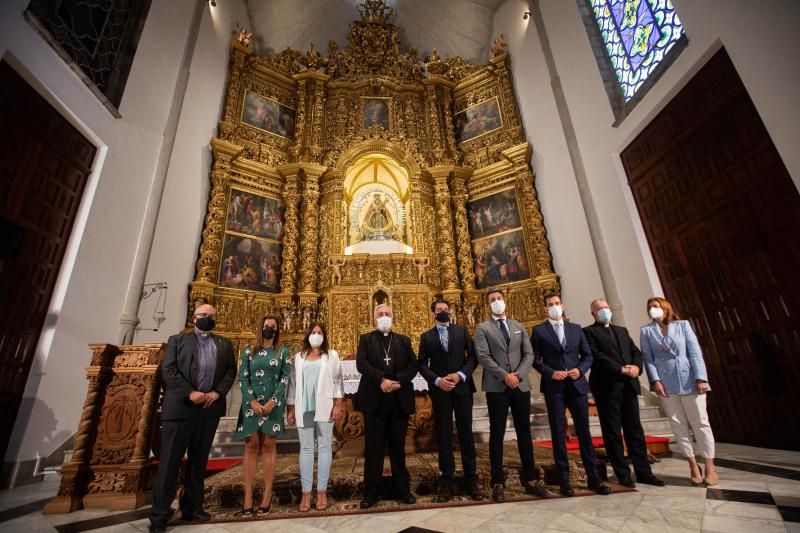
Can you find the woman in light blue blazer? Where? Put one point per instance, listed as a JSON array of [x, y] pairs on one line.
[[677, 373]]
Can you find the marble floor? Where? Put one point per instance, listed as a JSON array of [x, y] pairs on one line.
[[759, 492]]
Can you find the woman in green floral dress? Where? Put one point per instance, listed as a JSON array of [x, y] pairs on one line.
[[264, 372]]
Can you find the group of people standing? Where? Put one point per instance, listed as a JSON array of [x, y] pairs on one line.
[[199, 369]]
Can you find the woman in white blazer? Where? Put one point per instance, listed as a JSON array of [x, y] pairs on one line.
[[314, 400], [677, 373]]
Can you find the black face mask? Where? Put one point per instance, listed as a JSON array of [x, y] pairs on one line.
[[267, 332], [205, 323], [443, 316]]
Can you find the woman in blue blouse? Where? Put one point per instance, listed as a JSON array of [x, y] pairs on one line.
[[678, 375], [264, 372]]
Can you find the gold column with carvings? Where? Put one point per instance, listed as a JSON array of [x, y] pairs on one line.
[[291, 196], [444, 216], [458, 186]]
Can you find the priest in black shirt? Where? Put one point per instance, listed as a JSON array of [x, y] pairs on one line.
[[387, 364]]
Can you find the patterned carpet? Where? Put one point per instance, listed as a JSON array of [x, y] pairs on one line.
[[224, 490]]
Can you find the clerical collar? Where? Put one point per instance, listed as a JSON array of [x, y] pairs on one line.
[[201, 333], [385, 333]]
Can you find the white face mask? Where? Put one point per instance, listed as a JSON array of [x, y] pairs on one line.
[[604, 315], [384, 323], [555, 312], [315, 340], [498, 307], [656, 313]]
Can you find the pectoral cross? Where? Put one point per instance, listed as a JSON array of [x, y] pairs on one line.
[[387, 359]]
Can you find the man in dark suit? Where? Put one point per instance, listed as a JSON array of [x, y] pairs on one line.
[[562, 356], [198, 370], [387, 364], [615, 386], [504, 350], [446, 361]]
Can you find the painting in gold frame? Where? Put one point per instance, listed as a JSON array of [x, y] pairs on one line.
[[492, 214], [477, 120], [376, 112], [268, 115], [500, 259]]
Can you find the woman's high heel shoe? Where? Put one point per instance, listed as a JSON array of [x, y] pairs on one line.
[[249, 511], [264, 510]]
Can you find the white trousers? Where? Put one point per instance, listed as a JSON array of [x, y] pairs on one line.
[[687, 412]]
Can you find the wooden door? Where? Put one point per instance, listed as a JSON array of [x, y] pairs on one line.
[[722, 218], [44, 166]]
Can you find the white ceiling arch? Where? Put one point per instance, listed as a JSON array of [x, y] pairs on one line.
[[454, 27]]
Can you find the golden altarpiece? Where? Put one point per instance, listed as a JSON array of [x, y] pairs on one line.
[[364, 176]]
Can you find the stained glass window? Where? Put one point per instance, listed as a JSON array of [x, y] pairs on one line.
[[637, 35]]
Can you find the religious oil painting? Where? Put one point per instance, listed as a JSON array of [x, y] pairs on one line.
[[500, 259], [376, 112], [250, 263], [493, 214], [477, 120], [268, 115], [252, 214]]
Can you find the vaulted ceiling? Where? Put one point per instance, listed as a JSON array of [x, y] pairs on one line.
[[454, 27]]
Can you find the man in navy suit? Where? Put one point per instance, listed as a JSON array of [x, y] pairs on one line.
[[447, 360], [562, 356]]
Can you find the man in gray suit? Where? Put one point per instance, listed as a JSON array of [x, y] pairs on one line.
[[504, 349]]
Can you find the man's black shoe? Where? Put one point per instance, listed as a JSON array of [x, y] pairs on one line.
[[566, 489], [408, 499], [498, 493], [537, 489], [367, 503], [445, 493], [476, 494], [651, 480], [600, 488], [198, 516], [159, 528], [627, 482]]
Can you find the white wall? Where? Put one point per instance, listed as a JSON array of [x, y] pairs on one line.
[[762, 41], [556, 184], [91, 287], [183, 204]]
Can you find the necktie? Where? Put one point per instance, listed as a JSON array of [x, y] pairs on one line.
[[443, 337], [504, 329], [560, 333]]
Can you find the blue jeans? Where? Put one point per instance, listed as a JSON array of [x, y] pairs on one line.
[[322, 433]]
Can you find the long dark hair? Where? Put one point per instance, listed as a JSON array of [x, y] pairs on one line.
[[307, 345], [260, 337]]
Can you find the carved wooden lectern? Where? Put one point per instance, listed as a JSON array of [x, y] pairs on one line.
[[110, 464]]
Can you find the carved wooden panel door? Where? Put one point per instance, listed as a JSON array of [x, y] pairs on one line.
[[44, 166], [722, 218]]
